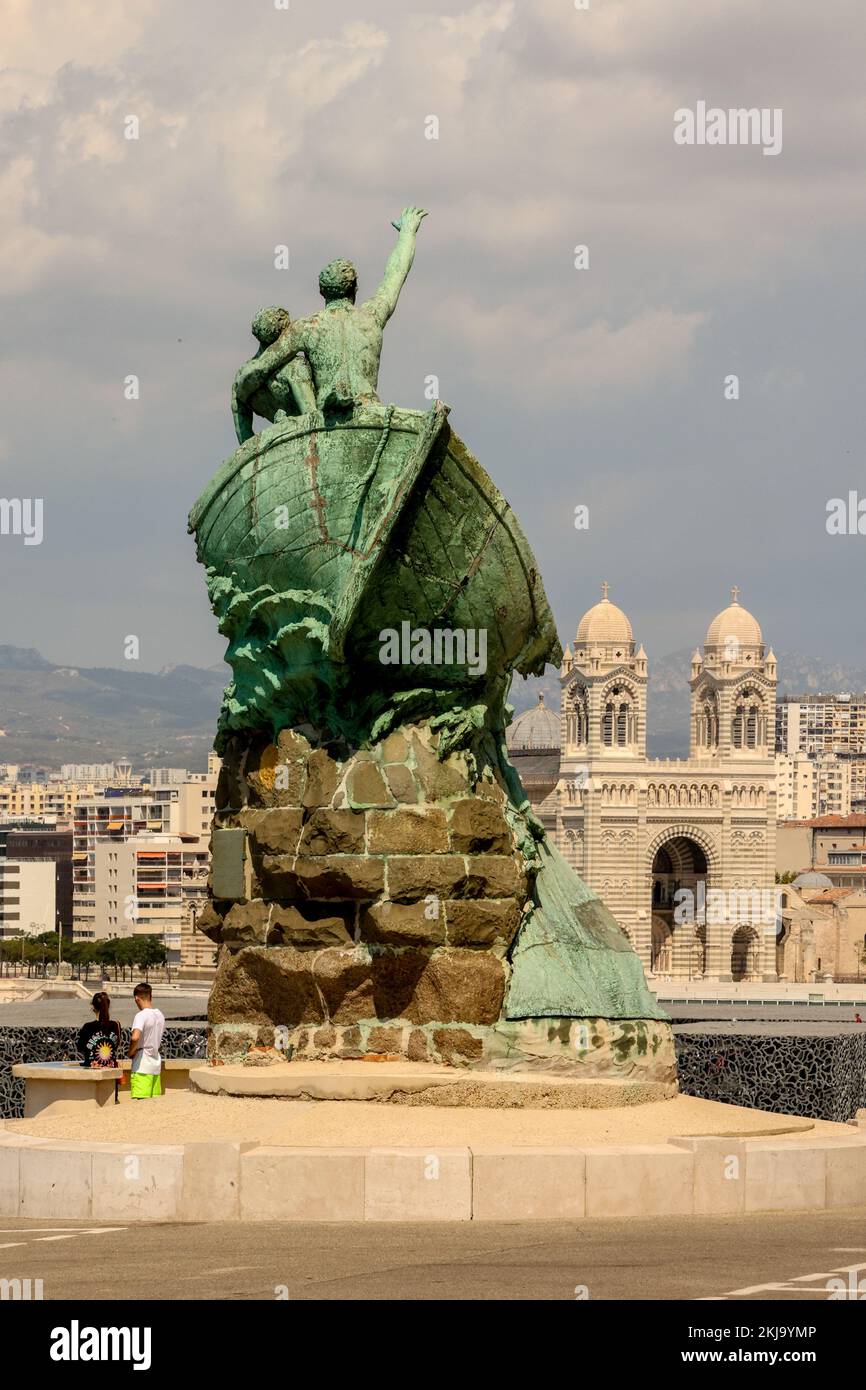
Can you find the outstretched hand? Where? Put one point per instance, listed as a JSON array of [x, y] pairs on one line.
[[410, 219]]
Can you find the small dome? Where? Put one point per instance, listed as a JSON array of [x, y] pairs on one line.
[[604, 622], [734, 623], [812, 879], [535, 728]]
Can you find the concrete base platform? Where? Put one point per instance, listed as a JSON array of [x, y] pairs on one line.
[[421, 1083], [240, 1181]]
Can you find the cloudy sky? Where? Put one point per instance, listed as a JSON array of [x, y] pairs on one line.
[[602, 387]]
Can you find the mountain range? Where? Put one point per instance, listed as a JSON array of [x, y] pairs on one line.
[[52, 714]]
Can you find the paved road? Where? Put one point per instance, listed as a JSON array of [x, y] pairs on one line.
[[783, 1257]]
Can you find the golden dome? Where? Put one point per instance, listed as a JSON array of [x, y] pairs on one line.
[[734, 623], [604, 622]]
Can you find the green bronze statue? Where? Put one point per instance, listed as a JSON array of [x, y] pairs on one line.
[[343, 341], [377, 593]]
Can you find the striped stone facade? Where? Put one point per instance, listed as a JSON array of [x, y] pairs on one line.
[[681, 850]]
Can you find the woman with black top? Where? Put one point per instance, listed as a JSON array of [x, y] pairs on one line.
[[99, 1041]]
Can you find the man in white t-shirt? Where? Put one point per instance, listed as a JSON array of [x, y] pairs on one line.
[[148, 1027]]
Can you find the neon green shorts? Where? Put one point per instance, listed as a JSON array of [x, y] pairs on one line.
[[143, 1087]]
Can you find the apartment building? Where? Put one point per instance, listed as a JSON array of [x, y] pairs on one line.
[[821, 723], [38, 800], [151, 884], [104, 824], [114, 817], [98, 773], [28, 899], [39, 845], [795, 786]]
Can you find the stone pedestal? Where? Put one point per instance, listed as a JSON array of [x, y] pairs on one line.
[[379, 898]]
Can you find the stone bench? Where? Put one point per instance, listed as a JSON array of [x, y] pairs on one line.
[[67, 1085]]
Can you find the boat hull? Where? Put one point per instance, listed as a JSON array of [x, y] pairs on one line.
[[324, 539]]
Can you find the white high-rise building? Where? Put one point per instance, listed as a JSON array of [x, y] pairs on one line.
[[28, 897], [148, 884], [795, 786], [103, 825]]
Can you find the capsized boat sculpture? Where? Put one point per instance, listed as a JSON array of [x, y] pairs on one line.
[[318, 537]]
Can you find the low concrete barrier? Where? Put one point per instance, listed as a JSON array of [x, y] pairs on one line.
[[230, 1181]]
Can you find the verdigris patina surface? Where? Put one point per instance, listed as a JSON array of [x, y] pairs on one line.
[[395, 894]]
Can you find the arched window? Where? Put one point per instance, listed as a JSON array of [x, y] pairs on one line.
[[749, 725], [619, 723], [576, 721], [622, 722], [607, 725], [707, 722]]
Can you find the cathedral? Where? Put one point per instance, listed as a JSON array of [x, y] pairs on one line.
[[681, 850]]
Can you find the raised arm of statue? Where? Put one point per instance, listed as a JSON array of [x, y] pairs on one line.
[[384, 301]]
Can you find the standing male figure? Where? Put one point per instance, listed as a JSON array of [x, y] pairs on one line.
[[148, 1027], [342, 343]]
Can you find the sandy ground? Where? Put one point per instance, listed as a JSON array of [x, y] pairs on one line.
[[182, 1116]]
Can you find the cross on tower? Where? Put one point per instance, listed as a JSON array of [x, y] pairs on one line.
[[605, 590], [735, 593]]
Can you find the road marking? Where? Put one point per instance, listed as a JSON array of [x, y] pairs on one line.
[[791, 1284], [44, 1230], [85, 1231], [64, 1235]]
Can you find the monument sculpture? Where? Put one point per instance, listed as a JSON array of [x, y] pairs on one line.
[[380, 885]]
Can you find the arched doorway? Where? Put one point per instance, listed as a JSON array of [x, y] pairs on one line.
[[679, 882], [744, 954]]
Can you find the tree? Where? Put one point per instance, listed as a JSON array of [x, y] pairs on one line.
[[150, 950]]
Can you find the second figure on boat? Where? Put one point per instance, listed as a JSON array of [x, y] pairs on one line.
[[342, 343]]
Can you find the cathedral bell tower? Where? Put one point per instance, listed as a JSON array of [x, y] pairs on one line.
[[733, 689], [604, 684]]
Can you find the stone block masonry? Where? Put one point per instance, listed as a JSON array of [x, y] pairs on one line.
[[385, 890]]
